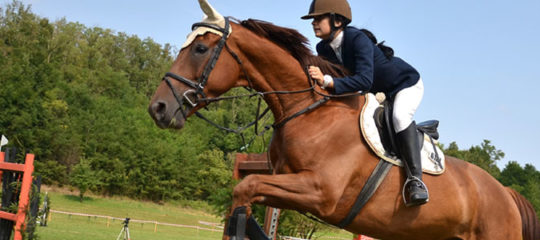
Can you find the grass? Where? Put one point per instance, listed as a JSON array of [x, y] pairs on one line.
[[75, 227], [122, 208], [68, 227]]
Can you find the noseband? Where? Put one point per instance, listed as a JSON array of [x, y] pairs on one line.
[[198, 86]]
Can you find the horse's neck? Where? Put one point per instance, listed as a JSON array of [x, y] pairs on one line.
[[271, 68]]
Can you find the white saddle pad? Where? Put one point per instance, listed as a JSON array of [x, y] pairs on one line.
[[371, 134]]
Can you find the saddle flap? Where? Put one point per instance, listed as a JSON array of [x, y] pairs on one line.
[[371, 121], [429, 128]]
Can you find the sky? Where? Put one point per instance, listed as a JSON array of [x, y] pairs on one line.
[[478, 59]]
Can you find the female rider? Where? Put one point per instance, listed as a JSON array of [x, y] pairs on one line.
[[373, 68]]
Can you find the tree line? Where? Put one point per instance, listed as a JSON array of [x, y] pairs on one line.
[[77, 96]]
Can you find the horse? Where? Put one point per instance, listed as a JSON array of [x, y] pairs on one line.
[[319, 157]]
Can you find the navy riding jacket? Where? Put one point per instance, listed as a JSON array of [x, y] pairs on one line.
[[369, 68]]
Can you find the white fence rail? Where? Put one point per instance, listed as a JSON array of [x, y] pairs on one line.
[[216, 225]]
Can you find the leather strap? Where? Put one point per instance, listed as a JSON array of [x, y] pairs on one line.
[[254, 231], [184, 80], [241, 226], [437, 158], [305, 110], [371, 185], [237, 224]]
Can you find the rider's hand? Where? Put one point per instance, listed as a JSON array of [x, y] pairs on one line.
[[317, 75]]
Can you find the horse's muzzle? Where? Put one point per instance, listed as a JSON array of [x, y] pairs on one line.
[[167, 115]]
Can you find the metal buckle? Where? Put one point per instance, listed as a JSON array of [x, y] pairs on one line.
[[193, 103]]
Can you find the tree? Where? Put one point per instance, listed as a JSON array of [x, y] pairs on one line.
[[51, 172], [484, 156], [524, 180], [71, 92], [83, 178], [513, 173]]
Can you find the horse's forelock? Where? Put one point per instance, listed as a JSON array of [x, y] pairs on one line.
[[295, 43]]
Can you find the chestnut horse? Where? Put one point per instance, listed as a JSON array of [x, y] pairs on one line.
[[320, 159]]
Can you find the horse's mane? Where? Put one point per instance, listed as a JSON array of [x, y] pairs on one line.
[[295, 43]]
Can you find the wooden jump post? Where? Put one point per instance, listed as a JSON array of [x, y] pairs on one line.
[[27, 169], [252, 163]]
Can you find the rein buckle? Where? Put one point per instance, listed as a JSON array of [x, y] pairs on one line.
[[194, 102]]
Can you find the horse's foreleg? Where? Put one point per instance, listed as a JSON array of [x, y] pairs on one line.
[[302, 191]]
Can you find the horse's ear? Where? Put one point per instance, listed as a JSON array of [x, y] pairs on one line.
[[212, 16]]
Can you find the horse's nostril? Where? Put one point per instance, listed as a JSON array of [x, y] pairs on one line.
[[157, 109], [161, 107]]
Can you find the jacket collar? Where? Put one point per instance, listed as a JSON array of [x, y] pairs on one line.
[[337, 42]]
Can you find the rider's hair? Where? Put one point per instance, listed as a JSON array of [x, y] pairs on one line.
[[344, 21], [388, 51]]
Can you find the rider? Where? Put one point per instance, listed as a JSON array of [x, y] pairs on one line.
[[373, 68]]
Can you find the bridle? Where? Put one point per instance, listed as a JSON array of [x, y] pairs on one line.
[[198, 86]]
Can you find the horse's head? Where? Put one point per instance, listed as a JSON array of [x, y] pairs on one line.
[[206, 67], [215, 59]]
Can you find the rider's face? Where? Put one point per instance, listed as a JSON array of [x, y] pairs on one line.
[[321, 26]]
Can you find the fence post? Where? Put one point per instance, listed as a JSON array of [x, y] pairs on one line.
[[24, 196], [245, 164], [27, 169]]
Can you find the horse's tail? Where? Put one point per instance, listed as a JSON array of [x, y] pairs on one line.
[[529, 220]]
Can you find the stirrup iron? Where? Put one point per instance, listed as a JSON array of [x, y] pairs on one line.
[[407, 182]]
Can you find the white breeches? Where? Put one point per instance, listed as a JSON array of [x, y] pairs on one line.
[[405, 104]]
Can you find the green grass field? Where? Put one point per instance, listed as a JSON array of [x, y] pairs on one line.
[[65, 226], [68, 227], [74, 227]]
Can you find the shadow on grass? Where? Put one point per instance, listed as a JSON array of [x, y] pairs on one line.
[[76, 198]]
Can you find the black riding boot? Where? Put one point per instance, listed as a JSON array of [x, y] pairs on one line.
[[410, 154]]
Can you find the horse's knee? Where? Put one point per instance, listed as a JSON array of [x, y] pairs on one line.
[[245, 188]]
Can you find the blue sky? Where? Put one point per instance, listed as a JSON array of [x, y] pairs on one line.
[[478, 59]]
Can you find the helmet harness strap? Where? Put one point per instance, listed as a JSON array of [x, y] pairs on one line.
[[333, 28]]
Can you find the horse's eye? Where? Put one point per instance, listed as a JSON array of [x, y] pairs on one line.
[[201, 49]]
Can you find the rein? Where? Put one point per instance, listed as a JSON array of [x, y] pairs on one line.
[[192, 96], [314, 105]]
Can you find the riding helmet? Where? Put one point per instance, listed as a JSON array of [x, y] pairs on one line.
[[321, 7]]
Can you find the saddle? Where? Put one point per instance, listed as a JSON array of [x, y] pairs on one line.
[[376, 127]]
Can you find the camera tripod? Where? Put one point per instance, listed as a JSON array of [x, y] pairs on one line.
[[124, 232]]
